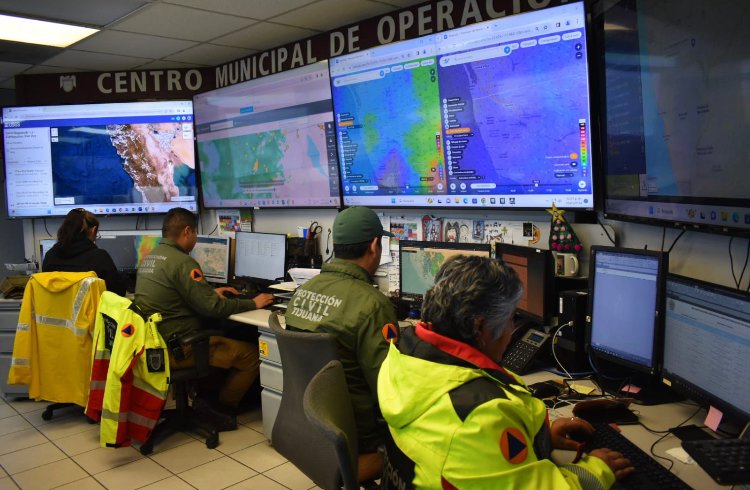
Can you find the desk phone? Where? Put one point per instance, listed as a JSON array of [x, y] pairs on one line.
[[520, 355]]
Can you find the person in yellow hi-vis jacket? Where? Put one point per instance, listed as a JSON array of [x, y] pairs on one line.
[[52, 348], [130, 373], [458, 419]]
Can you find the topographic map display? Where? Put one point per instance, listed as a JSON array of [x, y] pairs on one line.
[[123, 163], [420, 267], [695, 122], [277, 164], [522, 108], [395, 141], [212, 260]]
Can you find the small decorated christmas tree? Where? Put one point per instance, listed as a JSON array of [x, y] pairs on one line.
[[562, 238]]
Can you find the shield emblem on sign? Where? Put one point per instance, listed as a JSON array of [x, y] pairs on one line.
[[67, 82]]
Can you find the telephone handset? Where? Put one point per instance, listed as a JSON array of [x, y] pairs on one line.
[[519, 356]]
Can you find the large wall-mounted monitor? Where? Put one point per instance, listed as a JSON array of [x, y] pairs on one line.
[[707, 344], [260, 257], [492, 115], [626, 306], [212, 253], [419, 262], [676, 112], [535, 269], [120, 158], [269, 142]]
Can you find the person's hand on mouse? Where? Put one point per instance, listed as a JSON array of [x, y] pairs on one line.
[[263, 300], [570, 432]]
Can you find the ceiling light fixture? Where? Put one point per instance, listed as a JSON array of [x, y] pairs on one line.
[[22, 30]]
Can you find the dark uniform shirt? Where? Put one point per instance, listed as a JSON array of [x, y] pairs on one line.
[[342, 301], [171, 282]]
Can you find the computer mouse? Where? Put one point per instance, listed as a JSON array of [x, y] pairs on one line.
[[545, 389]]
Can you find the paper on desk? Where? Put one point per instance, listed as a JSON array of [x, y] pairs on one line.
[[680, 455], [385, 255], [301, 276]]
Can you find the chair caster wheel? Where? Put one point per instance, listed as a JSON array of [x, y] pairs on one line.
[[147, 448], [212, 441], [47, 414]]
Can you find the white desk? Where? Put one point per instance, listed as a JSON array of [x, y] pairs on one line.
[[657, 417]]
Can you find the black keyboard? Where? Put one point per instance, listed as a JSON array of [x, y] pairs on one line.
[[726, 460], [648, 473]]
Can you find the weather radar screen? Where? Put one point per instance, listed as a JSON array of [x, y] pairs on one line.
[[495, 114]]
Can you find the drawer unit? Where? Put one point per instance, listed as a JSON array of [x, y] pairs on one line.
[[270, 402], [271, 376], [8, 321], [268, 348]]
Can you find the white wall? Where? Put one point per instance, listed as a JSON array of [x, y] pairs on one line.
[[699, 255]]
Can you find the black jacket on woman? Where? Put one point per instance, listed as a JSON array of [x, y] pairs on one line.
[[83, 255]]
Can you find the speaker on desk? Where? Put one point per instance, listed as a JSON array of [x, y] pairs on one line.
[[571, 342]]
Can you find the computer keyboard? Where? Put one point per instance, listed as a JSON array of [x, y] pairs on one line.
[[648, 473], [726, 460]]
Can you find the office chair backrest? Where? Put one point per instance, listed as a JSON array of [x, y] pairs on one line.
[[328, 408], [303, 354]]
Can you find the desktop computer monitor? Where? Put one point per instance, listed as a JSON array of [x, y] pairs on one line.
[[128, 248], [626, 301], [260, 257], [45, 245], [212, 253], [535, 269], [707, 344], [419, 262]]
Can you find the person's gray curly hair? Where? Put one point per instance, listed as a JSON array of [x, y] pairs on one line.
[[468, 288]]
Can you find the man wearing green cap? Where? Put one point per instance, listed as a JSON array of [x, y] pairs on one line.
[[342, 301]]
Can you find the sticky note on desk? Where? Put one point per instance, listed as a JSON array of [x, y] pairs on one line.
[[582, 389], [713, 418]]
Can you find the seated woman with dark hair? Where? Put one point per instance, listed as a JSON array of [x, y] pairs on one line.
[[458, 418], [75, 251]]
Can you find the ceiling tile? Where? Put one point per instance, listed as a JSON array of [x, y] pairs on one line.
[[264, 35], [181, 22], [210, 54], [257, 10], [26, 53], [46, 69], [9, 83], [10, 69], [95, 61], [330, 14], [89, 12], [131, 44]]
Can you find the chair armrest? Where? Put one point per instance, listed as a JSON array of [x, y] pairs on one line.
[[199, 342]]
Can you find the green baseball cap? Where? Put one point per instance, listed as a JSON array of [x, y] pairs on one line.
[[356, 225]]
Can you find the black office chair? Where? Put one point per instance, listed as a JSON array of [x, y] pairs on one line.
[[328, 408], [183, 416], [303, 354]]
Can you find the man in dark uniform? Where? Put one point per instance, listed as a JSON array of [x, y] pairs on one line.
[[171, 282], [342, 301]]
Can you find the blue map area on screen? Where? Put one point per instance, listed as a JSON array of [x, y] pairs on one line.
[[389, 140], [87, 166], [516, 119]]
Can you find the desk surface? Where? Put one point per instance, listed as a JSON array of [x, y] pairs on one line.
[[259, 318], [657, 417]]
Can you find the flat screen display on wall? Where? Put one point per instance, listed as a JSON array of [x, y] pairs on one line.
[[491, 115], [122, 158], [676, 101], [269, 142]]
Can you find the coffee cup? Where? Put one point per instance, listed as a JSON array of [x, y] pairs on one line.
[[566, 264]]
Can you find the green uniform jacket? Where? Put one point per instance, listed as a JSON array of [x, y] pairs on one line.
[[171, 282], [464, 422], [341, 301]]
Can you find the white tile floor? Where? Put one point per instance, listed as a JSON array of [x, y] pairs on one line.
[[64, 453]]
